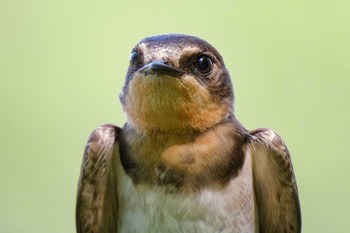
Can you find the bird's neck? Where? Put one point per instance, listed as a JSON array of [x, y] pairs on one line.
[[185, 161]]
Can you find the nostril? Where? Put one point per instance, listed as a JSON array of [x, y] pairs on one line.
[[169, 63]]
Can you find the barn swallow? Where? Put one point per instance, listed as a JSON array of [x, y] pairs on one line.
[[182, 162]]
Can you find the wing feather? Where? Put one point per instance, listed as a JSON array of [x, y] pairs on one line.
[[274, 183], [96, 209]]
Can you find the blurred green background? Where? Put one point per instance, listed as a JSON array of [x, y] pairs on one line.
[[62, 67]]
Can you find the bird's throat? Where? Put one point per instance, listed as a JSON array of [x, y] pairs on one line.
[[167, 104]]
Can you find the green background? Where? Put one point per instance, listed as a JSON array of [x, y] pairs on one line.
[[62, 67]]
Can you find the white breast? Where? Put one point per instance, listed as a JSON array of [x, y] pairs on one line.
[[145, 209]]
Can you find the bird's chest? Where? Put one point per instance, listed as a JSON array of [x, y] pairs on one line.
[[152, 209]]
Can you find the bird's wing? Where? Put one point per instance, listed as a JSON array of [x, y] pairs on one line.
[[97, 203], [274, 183]]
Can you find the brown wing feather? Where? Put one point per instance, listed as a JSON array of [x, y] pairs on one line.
[[96, 209], [274, 183]]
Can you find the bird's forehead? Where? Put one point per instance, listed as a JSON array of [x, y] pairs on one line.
[[166, 52], [171, 47]]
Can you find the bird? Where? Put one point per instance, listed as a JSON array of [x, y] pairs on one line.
[[183, 162]]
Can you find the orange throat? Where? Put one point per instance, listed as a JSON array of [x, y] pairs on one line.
[[170, 104]]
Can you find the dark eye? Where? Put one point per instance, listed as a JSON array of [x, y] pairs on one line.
[[203, 64], [134, 58]]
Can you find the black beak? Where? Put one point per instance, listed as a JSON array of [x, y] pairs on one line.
[[161, 68]]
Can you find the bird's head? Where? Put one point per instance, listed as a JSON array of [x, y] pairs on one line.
[[176, 83]]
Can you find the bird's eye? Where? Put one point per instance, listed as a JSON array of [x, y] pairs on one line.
[[203, 64], [134, 58]]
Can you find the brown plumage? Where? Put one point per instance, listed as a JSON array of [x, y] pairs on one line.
[[183, 162]]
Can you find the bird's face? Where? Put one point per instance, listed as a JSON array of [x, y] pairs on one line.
[[176, 83]]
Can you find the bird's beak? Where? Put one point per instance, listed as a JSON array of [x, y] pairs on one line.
[[161, 68]]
